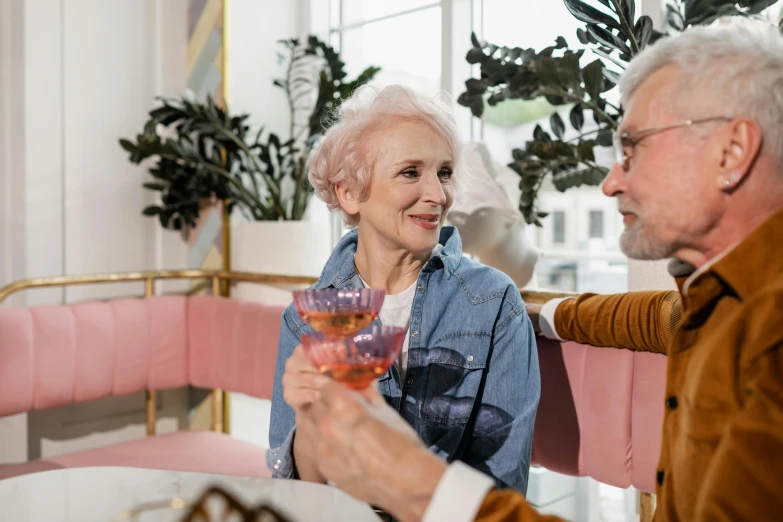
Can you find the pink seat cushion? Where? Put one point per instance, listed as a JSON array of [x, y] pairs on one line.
[[200, 451]]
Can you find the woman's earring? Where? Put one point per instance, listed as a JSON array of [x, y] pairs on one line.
[[731, 182]]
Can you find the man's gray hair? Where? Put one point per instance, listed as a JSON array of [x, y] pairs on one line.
[[737, 67]]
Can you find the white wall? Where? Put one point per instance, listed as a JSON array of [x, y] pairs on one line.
[[76, 76], [255, 26], [79, 75]]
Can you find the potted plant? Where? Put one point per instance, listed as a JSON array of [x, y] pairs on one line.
[[615, 34], [202, 154]]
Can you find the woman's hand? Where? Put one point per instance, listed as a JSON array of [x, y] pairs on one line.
[[301, 381]]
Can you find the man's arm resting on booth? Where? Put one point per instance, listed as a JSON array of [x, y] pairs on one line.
[[641, 321]]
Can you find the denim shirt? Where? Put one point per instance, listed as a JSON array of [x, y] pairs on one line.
[[457, 303]]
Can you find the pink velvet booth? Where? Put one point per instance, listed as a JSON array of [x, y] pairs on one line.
[[600, 414], [56, 355]]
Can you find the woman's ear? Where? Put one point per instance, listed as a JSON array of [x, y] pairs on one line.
[[348, 201]]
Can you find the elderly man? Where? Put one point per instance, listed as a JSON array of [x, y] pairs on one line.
[[699, 178]]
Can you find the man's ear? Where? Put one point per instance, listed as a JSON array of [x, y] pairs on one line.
[[740, 146], [348, 201]]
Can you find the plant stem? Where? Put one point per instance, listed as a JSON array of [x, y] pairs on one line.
[[223, 172], [583, 134], [626, 26], [579, 99]]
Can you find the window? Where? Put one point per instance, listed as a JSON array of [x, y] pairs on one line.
[[558, 227], [595, 223], [422, 44], [403, 38]]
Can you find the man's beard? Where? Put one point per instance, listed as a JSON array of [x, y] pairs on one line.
[[637, 244]]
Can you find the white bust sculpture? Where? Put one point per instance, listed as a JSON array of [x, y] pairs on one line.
[[486, 215]]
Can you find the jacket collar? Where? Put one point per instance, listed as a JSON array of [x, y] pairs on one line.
[[340, 270]]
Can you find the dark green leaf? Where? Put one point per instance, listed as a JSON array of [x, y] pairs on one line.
[[568, 70], [577, 117], [581, 35], [607, 38], [474, 40], [476, 56], [154, 186], [540, 135], [152, 210], [604, 138], [128, 146], [557, 125], [561, 43], [593, 79], [546, 68], [474, 86], [590, 15], [585, 150], [643, 30]]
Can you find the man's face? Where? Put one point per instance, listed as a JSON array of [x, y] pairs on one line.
[[668, 197]]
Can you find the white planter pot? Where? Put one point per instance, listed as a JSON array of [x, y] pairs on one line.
[[298, 248], [272, 247]]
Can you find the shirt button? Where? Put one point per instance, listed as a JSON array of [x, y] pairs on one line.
[[659, 478], [415, 333], [277, 464], [470, 358], [672, 403], [421, 288]]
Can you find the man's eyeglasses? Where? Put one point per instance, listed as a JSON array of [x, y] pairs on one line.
[[622, 141]]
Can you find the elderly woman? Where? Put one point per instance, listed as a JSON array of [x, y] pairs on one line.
[[468, 379]]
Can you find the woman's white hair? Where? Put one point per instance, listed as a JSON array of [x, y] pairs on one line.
[[734, 66], [347, 152]]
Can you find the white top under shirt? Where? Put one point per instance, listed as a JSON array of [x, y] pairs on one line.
[[396, 311]]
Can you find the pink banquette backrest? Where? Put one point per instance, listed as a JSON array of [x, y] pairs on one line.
[[600, 413], [56, 355]]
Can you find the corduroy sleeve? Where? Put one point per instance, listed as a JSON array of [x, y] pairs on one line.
[[641, 321]]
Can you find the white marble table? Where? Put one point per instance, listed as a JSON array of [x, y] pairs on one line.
[[101, 494]]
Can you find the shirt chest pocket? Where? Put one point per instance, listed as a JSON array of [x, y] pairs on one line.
[[452, 379]]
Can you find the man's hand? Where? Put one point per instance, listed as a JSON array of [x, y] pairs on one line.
[[369, 451], [534, 312]]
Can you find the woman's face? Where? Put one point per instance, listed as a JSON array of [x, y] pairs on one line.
[[411, 187]]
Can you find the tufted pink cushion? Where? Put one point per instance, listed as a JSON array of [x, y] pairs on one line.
[[55, 355], [600, 414]]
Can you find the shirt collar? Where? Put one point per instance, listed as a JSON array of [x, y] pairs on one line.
[[748, 265], [340, 270]]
